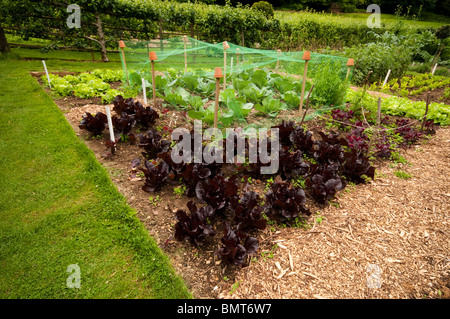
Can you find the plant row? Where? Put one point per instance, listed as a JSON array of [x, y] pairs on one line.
[[399, 106], [313, 166], [87, 85], [412, 85], [262, 90]]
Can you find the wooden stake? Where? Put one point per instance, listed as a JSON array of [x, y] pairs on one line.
[[307, 104], [386, 78], [379, 112], [434, 69], [153, 57], [111, 129], [306, 58], [426, 110], [225, 48], [436, 56], [350, 64], [278, 61], [144, 90], [218, 75], [46, 72], [185, 53], [122, 48]]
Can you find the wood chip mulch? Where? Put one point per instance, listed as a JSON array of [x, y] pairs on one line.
[[387, 239]]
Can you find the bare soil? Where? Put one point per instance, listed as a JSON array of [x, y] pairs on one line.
[[385, 239]]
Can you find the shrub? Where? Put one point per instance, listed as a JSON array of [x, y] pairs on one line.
[[330, 86], [348, 8], [265, 7], [443, 32], [378, 57], [442, 72], [420, 68]]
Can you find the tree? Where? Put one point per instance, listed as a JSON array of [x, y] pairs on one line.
[[4, 46], [47, 19]]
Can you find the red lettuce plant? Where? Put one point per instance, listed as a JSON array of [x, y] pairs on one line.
[[153, 143], [357, 165], [284, 203], [302, 140], [94, 124], [217, 191], [155, 175], [324, 182], [192, 175], [194, 228], [236, 246], [291, 163], [248, 211]]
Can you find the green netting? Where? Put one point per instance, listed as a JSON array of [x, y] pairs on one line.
[[184, 54], [206, 56]]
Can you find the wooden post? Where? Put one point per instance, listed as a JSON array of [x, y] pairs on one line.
[[111, 130], [350, 63], [428, 100], [436, 56], [144, 91], [218, 75], [278, 60], [153, 57], [434, 69], [110, 126], [122, 48], [185, 39], [307, 105], [379, 112], [46, 72], [306, 58], [386, 78], [225, 48]]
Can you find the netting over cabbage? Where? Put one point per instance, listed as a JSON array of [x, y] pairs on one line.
[[188, 55]]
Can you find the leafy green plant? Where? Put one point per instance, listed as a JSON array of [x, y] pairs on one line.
[[189, 81], [205, 87], [237, 105], [178, 97], [292, 99], [271, 107], [179, 190], [259, 78], [330, 86], [207, 115], [110, 95], [254, 94], [445, 94], [154, 200], [402, 175], [84, 91]]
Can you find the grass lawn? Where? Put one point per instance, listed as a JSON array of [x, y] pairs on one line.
[[58, 206], [391, 18], [429, 20]]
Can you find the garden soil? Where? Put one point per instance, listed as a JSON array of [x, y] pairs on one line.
[[385, 239]]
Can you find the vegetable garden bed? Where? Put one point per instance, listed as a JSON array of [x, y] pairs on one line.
[[416, 87], [315, 166]]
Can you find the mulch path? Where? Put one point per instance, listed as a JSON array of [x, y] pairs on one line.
[[387, 239]]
